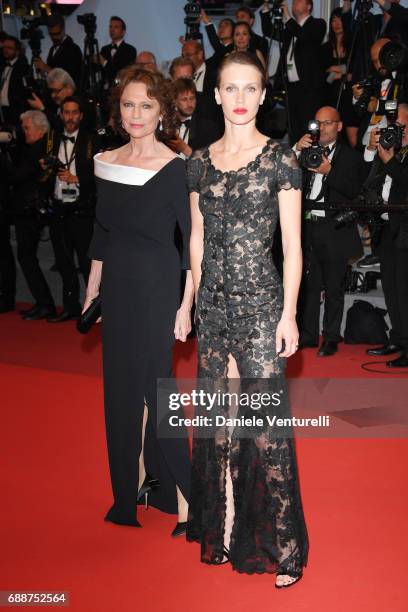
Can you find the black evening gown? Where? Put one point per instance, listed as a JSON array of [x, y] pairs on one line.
[[240, 301], [140, 289]]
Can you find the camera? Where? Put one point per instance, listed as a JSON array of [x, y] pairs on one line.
[[394, 56], [344, 217], [391, 136], [33, 34], [371, 86], [88, 20], [192, 20], [312, 156]]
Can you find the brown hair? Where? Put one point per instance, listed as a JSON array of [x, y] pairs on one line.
[[245, 58], [180, 61], [157, 89], [182, 85]]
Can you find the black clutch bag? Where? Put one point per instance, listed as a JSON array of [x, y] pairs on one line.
[[90, 316]]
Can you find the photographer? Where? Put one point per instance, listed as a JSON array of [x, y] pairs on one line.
[[24, 173], [13, 69], [221, 40], [118, 54], [64, 53], [302, 37], [388, 178], [334, 174], [60, 86], [71, 188]]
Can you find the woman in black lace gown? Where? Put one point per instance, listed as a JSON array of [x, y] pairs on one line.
[[245, 504]]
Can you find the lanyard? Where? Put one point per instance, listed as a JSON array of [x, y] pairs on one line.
[[69, 161]]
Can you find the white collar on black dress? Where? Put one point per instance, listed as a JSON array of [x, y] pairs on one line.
[[117, 173]]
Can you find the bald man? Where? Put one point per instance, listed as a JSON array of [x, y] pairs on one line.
[[327, 248], [146, 60]]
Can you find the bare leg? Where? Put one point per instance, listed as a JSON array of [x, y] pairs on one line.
[[230, 508], [182, 506]]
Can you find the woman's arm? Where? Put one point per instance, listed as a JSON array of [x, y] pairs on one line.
[[290, 206], [94, 283], [196, 241]]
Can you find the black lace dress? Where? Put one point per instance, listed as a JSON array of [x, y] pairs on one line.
[[240, 302]]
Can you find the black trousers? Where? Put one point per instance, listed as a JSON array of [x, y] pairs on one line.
[[70, 235], [28, 232], [324, 267], [7, 263], [303, 105], [394, 279]]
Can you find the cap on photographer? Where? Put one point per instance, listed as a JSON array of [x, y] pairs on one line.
[[333, 175], [388, 179]]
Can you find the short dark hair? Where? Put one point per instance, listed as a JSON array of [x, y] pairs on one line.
[[157, 89], [56, 20], [246, 10], [245, 58], [74, 99], [180, 61], [116, 18], [16, 41], [228, 20], [182, 85]]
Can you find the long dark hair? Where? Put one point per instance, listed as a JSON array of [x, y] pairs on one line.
[[337, 12]]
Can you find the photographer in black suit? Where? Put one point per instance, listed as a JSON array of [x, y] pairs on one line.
[[388, 178], [327, 247], [302, 37], [13, 69], [194, 132], [118, 54], [64, 53], [24, 173], [71, 189]]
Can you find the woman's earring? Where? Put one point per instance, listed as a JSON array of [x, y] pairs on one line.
[[160, 125]]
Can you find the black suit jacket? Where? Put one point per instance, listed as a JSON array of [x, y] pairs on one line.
[[307, 52], [67, 56], [343, 184], [85, 150], [124, 56], [203, 132], [397, 169], [16, 91]]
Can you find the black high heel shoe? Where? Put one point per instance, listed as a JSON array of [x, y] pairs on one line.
[[180, 529], [296, 577], [149, 484]]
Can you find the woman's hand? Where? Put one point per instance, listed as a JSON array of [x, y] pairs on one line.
[[88, 300], [287, 331], [182, 326]]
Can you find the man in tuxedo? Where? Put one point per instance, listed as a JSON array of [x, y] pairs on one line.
[[302, 37], [118, 54], [13, 69], [221, 40], [23, 172], [244, 13], [181, 68], [194, 132], [327, 248], [72, 190], [64, 53], [389, 179]]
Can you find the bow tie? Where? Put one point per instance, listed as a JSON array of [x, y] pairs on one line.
[[328, 150], [114, 46], [66, 138], [186, 123]]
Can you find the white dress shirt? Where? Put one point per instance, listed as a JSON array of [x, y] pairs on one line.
[[5, 82], [61, 187], [199, 76], [385, 194]]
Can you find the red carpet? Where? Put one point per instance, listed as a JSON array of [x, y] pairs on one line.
[[55, 484]]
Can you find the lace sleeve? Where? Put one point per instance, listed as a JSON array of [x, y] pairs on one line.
[[194, 172], [288, 171]]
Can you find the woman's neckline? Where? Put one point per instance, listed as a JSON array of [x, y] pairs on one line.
[[101, 161], [248, 165]]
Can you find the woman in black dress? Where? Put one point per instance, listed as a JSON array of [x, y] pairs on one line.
[[245, 504], [142, 194]]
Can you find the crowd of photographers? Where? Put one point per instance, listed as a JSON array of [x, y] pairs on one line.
[[346, 104]]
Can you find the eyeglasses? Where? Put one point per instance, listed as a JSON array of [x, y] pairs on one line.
[[328, 122], [55, 90]]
